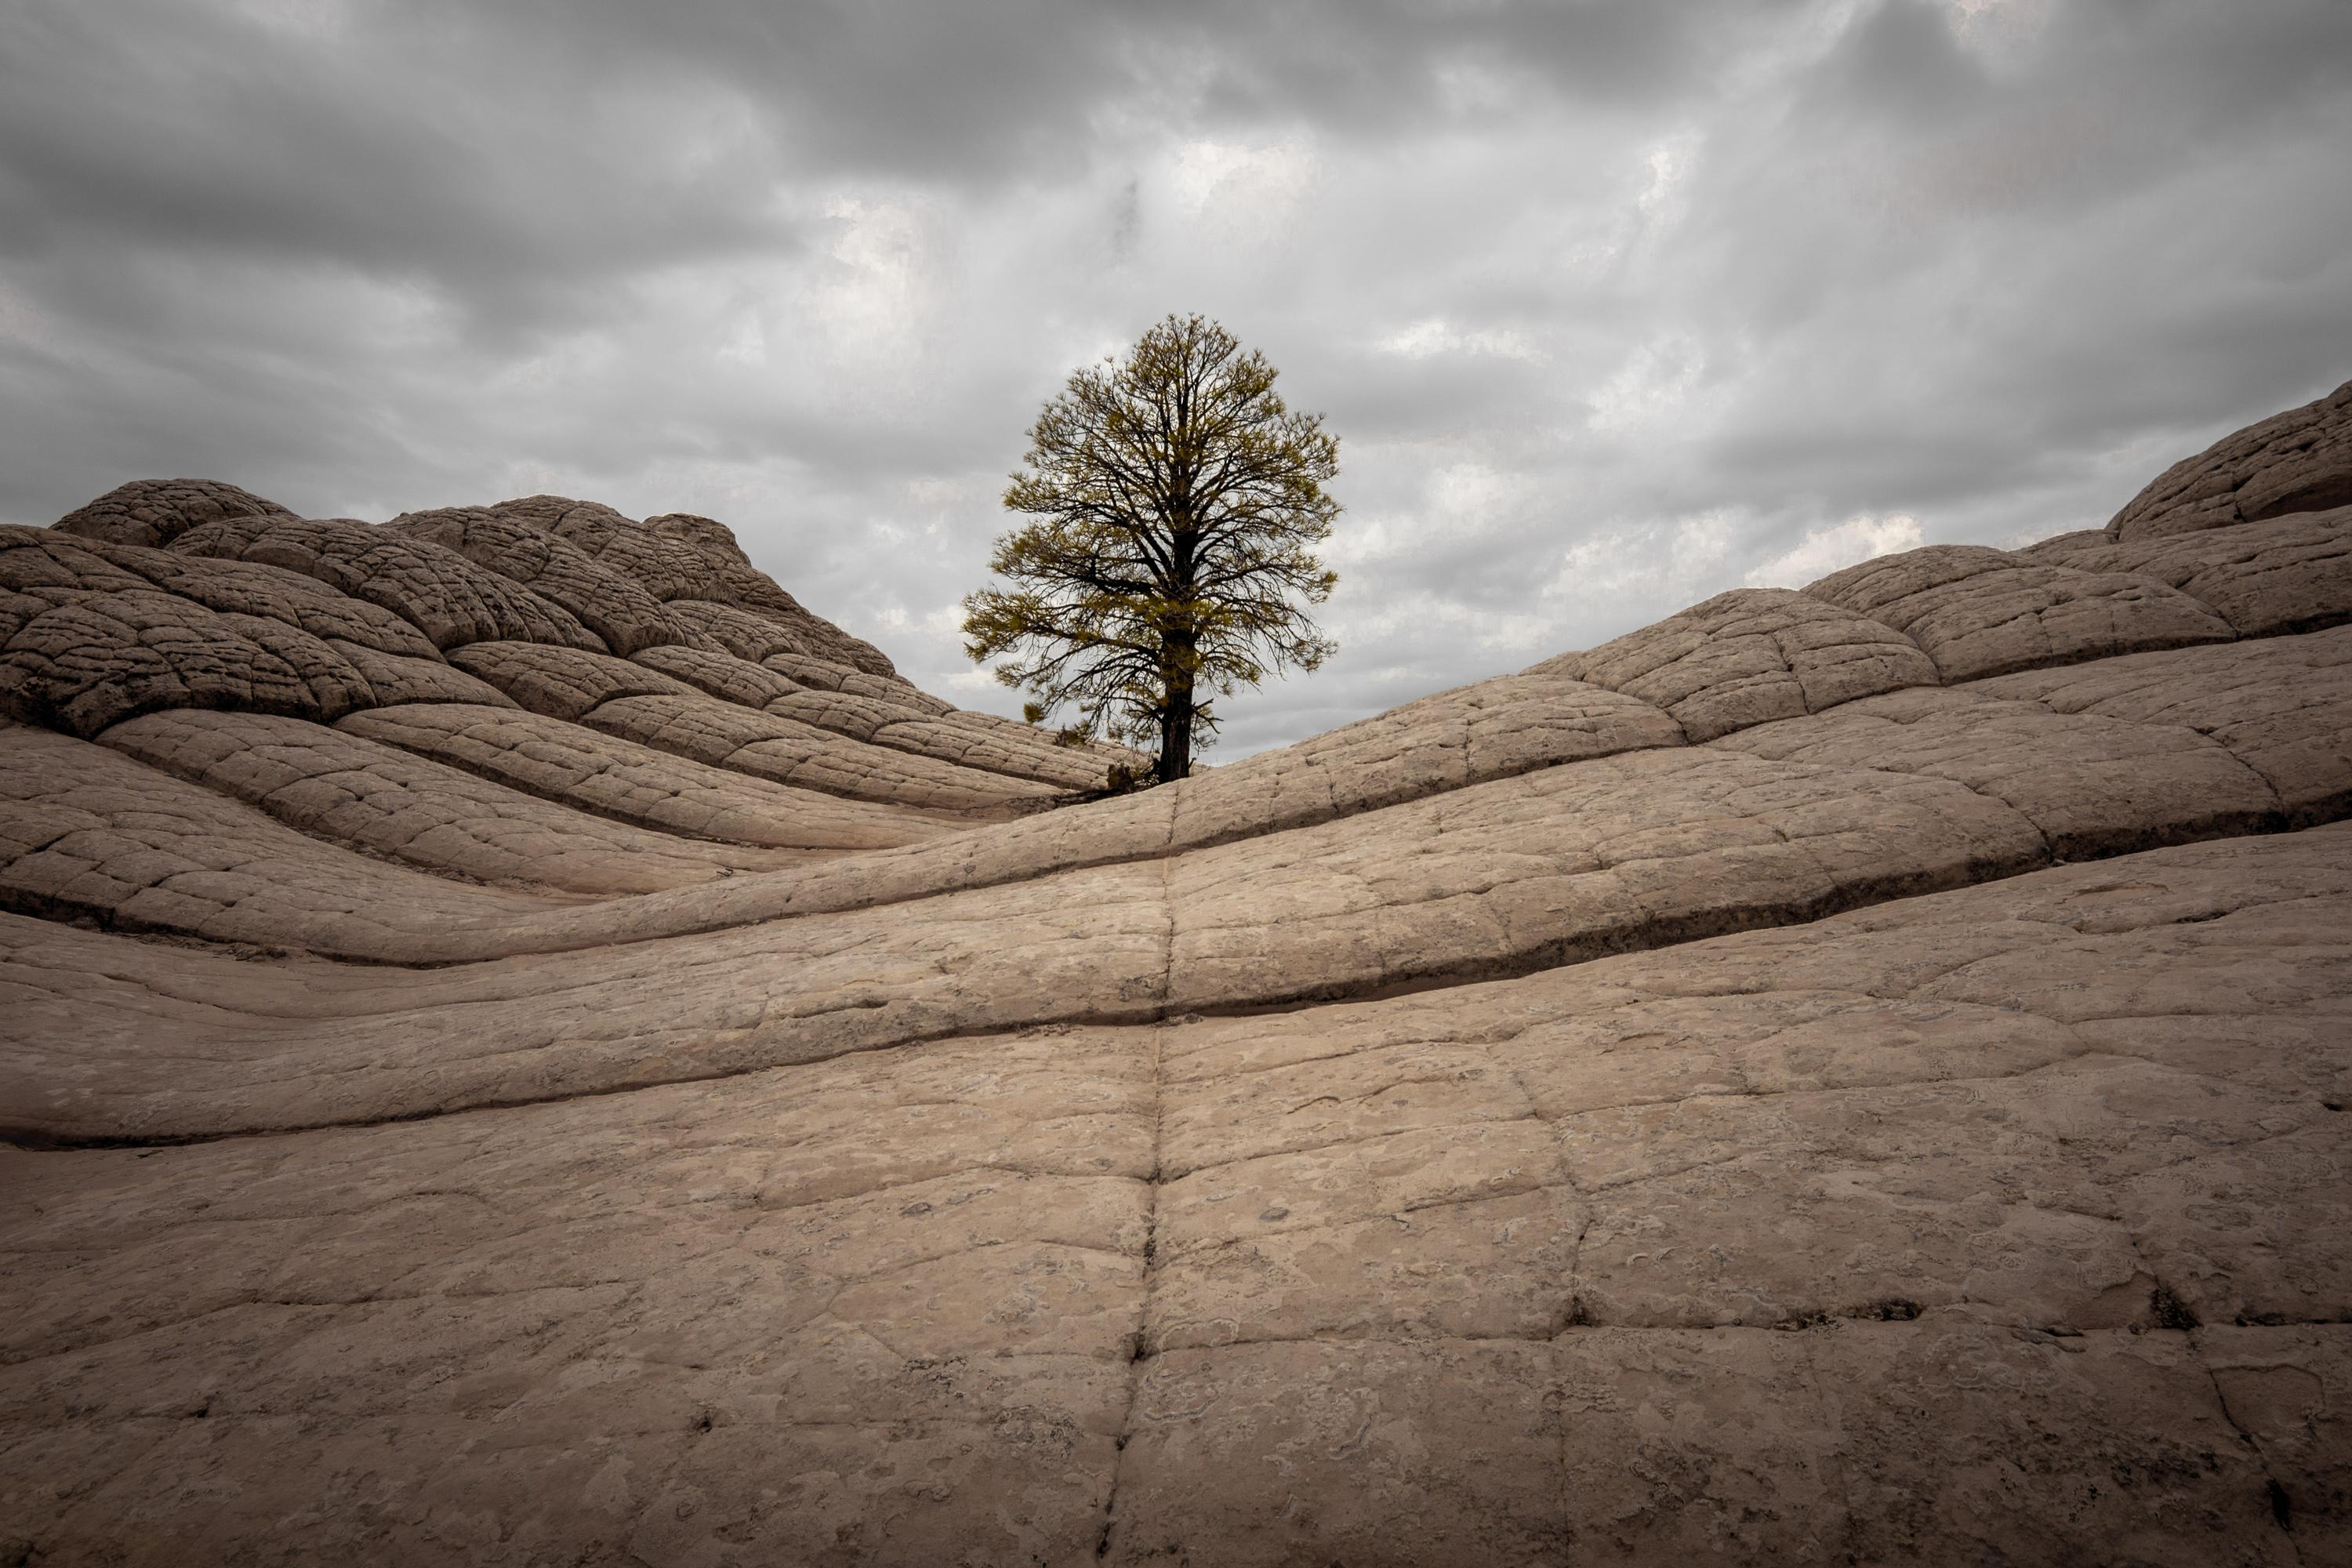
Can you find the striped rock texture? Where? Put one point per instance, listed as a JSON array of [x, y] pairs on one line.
[[523, 1045]]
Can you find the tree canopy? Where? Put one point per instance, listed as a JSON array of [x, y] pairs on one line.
[[1175, 504]]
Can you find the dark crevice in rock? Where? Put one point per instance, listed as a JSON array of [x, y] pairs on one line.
[[2169, 1311]]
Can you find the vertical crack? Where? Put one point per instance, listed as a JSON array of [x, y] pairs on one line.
[[2281, 1509], [1834, 1456], [2170, 1312], [1143, 1348]]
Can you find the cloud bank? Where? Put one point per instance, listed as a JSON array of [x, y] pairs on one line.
[[1613, 306]]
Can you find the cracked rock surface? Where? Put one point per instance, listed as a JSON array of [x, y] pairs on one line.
[[520, 1043], [157, 511], [2297, 461], [340, 786]]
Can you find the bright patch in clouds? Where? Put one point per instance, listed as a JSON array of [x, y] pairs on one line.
[[1434, 336], [873, 297], [1838, 545], [1645, 571], [1669, 164], [1242, 186], [1652, 384]]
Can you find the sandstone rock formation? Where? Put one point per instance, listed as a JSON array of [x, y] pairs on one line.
[[2300, 460], [524, 1045]]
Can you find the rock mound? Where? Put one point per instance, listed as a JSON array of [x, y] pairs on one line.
[[157, 511], [2300, 460], [526, 1045]]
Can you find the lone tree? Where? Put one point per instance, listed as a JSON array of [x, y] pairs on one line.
[[1176, 502]]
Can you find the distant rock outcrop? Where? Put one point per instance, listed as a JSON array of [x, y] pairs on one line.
[[524, 1045], [157, 511], [2300, 460]]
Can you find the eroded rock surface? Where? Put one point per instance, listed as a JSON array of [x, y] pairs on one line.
[[336, 786], [592, 772], [793, 752], [1978, 612], [2300, 460], [1751, 656], [2290, 574], [1462, 1249], [606, 601], [157, 511], [433, 587], [523, 1045]]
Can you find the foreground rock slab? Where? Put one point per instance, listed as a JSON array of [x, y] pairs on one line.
[[1411, 1279]]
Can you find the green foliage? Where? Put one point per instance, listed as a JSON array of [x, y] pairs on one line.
[[1176, 502]]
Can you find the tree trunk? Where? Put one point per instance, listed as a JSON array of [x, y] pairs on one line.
[[1176, 711], [1179, 644], [1176, 731]]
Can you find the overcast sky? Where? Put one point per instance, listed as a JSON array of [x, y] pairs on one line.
[[1612, 306]]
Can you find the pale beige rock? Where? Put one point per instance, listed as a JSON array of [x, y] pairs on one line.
[[1497, 728], [967, 740], [2059, 549], [860, 718], [738, 631], [2290, 1392], [2281, 705], [740, 583], [657, 1269], [1358, 1453], [1569, 863], [477, 1034], [1024, 1205], [358, 792], [2300, 460], [1713, 1449], [93, 834], [666, 565], [97, 633], [79, 659], [1874, 1116], [394, 679], [1494, 730], [680, 556], [1754, 655], [562, 682], [1635, 851], [825, 675], [1963, 1444], [156, 511], [251, 588], [789, 752], [2092, 785], [607, 603], [1986, 1215], [1979, 612], [1473, 1136], [726, 676], [1451, 1235], [1066, 947], [606, 777], [441, 593], [1883, 1443], [2290, 574]]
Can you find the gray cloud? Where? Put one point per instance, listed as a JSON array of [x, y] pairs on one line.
[[1613, 306]]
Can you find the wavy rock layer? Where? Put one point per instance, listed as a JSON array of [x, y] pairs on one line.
[[524, 1045]]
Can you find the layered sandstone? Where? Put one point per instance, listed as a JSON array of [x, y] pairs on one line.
[[526, 1045]]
